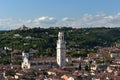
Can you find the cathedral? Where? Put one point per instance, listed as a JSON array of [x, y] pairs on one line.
[[59, 61]]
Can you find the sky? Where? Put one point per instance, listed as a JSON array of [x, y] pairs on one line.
[[55, 13]]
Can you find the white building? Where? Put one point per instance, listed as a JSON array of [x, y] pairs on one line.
[[32, 62], [61, 50], [113, 55], [25, 63]]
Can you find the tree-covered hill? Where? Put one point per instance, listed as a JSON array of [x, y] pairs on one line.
[[44, 40]]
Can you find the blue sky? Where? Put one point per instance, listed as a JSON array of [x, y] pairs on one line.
[[46, 13]]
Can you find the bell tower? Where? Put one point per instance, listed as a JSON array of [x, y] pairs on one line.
[[61, 50]]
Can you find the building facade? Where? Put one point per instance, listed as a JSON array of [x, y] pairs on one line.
[[25, 63]]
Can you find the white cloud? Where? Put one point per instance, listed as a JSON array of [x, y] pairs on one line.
[[98, 20], [44, 20], [109, 17], [67, 19], [87, 20]]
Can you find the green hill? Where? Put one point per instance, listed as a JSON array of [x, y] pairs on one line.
[[78, 41]]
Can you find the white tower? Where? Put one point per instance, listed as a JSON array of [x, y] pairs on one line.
[[25, 63], [61, 50]]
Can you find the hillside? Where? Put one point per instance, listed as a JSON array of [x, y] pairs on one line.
[[44, 40]]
